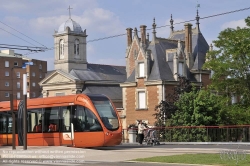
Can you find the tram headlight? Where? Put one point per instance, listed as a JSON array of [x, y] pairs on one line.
[[107, 133]]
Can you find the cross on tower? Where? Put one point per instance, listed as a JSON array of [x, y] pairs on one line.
[[198, 5], [69, 11]]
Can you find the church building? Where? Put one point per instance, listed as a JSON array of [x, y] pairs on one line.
[[73, 74]]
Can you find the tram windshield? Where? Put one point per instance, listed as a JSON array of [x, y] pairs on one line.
[[106, 112]]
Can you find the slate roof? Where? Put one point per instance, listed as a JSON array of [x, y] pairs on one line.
[[162, 68], [99, 72], [114, 92], [199, 46]]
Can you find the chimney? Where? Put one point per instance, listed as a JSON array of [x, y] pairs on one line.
[[129, 36], [143, 35], [188, 44]]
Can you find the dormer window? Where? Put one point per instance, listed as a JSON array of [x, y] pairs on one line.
[[76, 48], [141, 71], [180, 66], [61, 49]]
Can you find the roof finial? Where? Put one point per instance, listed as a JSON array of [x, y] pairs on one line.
[[171, 22], [69, 11], [197, 17], [154, 32]]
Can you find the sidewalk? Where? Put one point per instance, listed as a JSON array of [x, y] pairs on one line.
[[120, 153]]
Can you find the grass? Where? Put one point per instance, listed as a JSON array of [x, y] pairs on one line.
[[208, 159]]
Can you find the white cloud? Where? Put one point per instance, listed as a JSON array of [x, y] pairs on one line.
[[234, 24], [96, 20]]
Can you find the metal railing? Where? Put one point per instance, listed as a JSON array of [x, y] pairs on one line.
[[234, 133]]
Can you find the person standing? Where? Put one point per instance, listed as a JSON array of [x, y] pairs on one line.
[[141, 129]]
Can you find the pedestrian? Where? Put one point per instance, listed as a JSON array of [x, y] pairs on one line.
[[141, 128]]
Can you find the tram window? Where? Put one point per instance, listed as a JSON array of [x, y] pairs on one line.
[[3, 123], [65, 119], [84, 120], [35, 120], [51, 119]]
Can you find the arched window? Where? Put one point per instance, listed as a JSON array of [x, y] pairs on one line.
[[76, 47], [61, 49]]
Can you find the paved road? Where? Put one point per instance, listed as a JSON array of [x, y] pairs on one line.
[[101, 164], [113, 156]]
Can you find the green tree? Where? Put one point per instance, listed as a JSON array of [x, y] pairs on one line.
[[230, 63], [197, 108]]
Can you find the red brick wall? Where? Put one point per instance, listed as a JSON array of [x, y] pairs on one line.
[[205, 80], [131, 59]]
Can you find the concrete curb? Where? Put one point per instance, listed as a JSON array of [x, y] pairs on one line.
[[169, 163]]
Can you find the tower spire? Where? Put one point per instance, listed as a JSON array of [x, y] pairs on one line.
[[69, 12], [197, 18], [154, 32], [171, 23]]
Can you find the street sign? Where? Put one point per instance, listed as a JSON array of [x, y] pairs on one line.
[[28, 63]]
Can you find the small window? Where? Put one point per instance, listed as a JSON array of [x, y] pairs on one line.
[[211, 74], [7, 64], [18, 95], [7, 84], [7, 94], [33, 74], [40, 66], [18, 74], [233, 99], [7, 73], [33, 84], [141, 70], [28, 84], [28, 74], [41, 75], [18, 84], [15, 63], [33, 94], [28, 94], [180, 68], [141, 100]]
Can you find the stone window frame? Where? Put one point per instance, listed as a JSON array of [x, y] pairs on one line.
[[137, 99]]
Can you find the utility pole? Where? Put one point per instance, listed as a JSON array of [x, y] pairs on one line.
[[13, 122], [25, 112], [13, 113]]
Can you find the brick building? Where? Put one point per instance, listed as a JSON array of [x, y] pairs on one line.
[[12, 72], [152, 68]]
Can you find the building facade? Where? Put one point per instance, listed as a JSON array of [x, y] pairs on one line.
[[152, 68], [12, 71]]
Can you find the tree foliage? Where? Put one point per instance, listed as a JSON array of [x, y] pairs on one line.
[[230, 62]]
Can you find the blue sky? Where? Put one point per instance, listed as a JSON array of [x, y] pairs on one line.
[[103, 18]]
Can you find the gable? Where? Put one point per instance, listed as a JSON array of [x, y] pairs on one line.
[[58, 78]]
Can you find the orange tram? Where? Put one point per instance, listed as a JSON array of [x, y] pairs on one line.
[[82, 120]]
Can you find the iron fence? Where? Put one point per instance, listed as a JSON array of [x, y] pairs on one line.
[[236, 133]]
